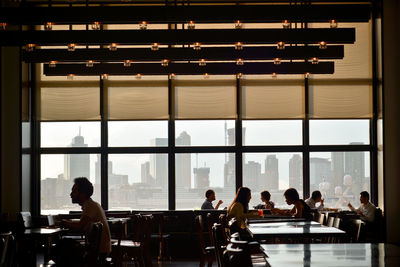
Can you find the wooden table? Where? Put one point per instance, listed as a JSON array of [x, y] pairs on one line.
[[332, 255]]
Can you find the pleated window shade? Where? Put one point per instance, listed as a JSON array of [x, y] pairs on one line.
[[265, 99], [340, 101], [69, 103], [205, 99], [139, 101]]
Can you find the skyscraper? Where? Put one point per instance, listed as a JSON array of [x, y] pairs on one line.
[[76, 165], [354, 165], [296, 172], [271, 173], [159, 164], [201, 177], [252, 174], [320, 171], [183, 162]]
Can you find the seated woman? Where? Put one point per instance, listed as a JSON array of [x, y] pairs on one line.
[[266, 198], [239, 208], [300, 209]]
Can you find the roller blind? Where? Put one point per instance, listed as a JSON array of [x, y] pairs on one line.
[[140, 101], [203, 99], [340, 101], [69, 103], [266, 99]]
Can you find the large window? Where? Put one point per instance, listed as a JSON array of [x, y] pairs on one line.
[[159, 143]]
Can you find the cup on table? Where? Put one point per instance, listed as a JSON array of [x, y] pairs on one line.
[[261, 213]]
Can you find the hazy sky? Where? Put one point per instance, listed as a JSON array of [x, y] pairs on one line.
[[210, 133]]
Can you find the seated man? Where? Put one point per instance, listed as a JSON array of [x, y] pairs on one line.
[[366, 210], [81, 193], [210, 197], [315, 198]]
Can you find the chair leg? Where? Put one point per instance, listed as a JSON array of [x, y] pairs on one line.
[[202, 261], [210, 262]]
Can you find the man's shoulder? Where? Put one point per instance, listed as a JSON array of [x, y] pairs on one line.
[[207, 205]]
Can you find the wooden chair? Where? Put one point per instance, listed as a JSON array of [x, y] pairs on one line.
[[225, 227], [210, 223], [219, 243], [92, 246], [321, 218], [337, 222], [7, 249], [357, 230], [163, 239], [206, 253], [330, 221]]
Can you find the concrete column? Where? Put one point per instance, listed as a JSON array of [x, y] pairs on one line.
[[391, 117]]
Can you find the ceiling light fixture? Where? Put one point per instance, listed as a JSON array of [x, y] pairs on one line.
[[113, 47], [277, 61], [127, 63], [71, 47], [286, 24], [333, 23], [143, 25], [191, 25], [96, 26], [238, 24], [202, 62], [239, 46], [197, 46], [281, 45], [89, 63], [322, 45]]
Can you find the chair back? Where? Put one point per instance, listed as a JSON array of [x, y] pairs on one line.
[[199, 227], [210, 223], [219, 244], [51, 220], [238, 255], [337, 222], [357, 230], [93, 239], [225, 228], [331, 220], [7, 249], [321, 218]]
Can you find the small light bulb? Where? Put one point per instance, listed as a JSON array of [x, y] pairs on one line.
[[71, 47], [191, 25], [96, 25], [52, 64], [206, 76], [143, 25], [239, 62], [48, 26], [277, 61], [274, 75], [154, 46], [196, 46], [127, 63], [89, 63], [239, 75], [239, 46], [3, 25], [104, 76], [113, 47], [30, 47], [172, 76], [286, 24], [238, 24], [314, 60], [307, 75], [322, 45], [70, 76], [202, 62], [333, 23], [281, 45], [164, 62], [138, 76]]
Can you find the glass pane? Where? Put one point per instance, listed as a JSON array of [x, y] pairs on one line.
[[196, 173], [137, 181], [57, 177], [26, 134], [70, 134], [137, 133], [340, 176], [339, 132], [274, 172], [205, 133], [272, 132]]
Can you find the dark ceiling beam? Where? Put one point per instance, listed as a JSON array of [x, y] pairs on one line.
[[183, 14], [182, 54], [143, 37], [189, 69]]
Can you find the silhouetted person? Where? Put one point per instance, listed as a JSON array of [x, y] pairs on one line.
[[266, 199], [300, 209], [366, 209], [210, 197], [316, 197]]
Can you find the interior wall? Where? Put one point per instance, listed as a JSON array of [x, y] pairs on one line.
[[10, 131], [391, 121]]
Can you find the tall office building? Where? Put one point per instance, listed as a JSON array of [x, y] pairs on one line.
[[252, 174], [183, 164], [337, 169], [320, 171], [159, 164], [354, 165], [77, 165], [296, 172], [201, 177], [229, 167], [113, 179], [271, 181], [145, 176]]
